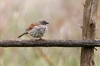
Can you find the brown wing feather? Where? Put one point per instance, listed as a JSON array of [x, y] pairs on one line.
[[31, 26]]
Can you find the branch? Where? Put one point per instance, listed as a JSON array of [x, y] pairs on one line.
[[49, 43]]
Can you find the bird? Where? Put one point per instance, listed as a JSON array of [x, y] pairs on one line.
[[36, 30]]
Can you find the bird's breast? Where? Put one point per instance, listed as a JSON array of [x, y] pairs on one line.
[[38, 31]]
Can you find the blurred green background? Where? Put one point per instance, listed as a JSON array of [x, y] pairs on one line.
[[65, 18]]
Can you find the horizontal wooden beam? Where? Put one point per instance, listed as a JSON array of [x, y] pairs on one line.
[[49, 43]]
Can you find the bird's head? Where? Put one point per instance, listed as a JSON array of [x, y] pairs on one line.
[[43, 22]]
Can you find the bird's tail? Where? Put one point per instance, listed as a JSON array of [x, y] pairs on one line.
[[22, 35]]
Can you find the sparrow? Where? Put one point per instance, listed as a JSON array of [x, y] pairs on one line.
[[36, 30]]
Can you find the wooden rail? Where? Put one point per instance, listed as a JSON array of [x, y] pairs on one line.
[[49, 43]]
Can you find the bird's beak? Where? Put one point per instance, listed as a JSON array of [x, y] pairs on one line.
[[47, 22]]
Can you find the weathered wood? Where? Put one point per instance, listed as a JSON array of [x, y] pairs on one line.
[[49, 43], [88, 32]]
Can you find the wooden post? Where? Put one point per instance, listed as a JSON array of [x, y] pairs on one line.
[[88, 32]]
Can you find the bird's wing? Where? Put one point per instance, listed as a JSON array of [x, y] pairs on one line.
[[31, 27]]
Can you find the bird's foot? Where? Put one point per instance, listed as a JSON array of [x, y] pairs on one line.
[[40, 39], [95, 48]]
